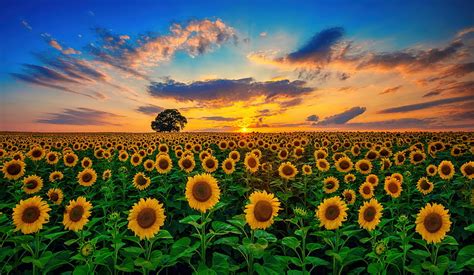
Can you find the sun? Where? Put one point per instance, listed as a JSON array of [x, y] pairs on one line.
[[244, 130]]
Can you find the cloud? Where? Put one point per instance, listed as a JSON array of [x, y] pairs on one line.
[[426, 105], [220, 118], [457, 71], [26, 25], [55, 44], [342, 118], [313, 118], [225, 91], [464, 32], [263, 34], [150, 109], [195, 38], [391, 90], [81, 116]]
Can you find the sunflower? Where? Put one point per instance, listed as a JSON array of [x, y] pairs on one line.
[[30, 215], [330, 185], [364, 166], [370, 214], [202, 192], [261, 210], [287, 170], [417, 157], [149, 165], [372, 179], [385, 164], [431, 170], [77, 214], [70, 159], [424, 186], [323, 165], [306, 169], [52, 158], [123, 156], [320, 154], [349, 196], [87, 177], [13, 169], [344, 164], [433, 222], [235, 155], [366, 190], [140, 181], [298, 152], [283, 154], [349, 178], [393, 187], [36, 153], [86, 162], [55, 195], [398, 177], [187, 163], [399, 158], [251, 163], [163, 163], [467, 169], [55, 176], [136, 159], [32, 184], [446, 170], [146, 217], [228, 166], [210, 164], [332, 212], [106, 174]]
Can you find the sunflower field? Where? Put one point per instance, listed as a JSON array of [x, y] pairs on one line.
[[224, 203]]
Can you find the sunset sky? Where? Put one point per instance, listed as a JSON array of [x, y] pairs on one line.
[[271, 66]]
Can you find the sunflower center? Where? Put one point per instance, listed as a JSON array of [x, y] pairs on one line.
[[369, 214], [322, 164], [136, 159], [332, 212], [86, 163], [252, 162], [366, 190], [283, 153], [446, 169], [348, 196], [30, 214], [187, 163], [393, 187], [14, 169], [330, 185], [202, 191], [52, 157], [417, 157], [228, 165], [433, 222], [424, 185], [146, 218], [371, 155], [75, 214], [344, 164], [372, 180], [36, 153], [210, 163], [469, 170], [69, 159], [263, 211], [32, 184], [54, 197], [86, 177], [287, 170], [141, 180], [163, 163], [400, 158], [364, 166]]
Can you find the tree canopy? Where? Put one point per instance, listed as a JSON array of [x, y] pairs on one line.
[[169, 120]]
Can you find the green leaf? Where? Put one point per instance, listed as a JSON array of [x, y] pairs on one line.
[[220, 263], [54, 235], [449, 240], [231, 241], [265, 235], [291, 242], [420, 253], [430, 266], [313, 246], [223, 227], [469, 228], [190, 219], [81, 270], [315, 261], [465, 256], [180, 245], [132, 251], [260, 269], [164, 234], [374, 268]]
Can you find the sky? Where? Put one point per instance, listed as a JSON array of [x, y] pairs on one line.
[[266, 66]]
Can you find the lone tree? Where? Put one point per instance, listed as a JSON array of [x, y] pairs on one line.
[[170, 120]]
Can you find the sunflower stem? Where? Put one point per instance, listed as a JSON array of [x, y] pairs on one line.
[[250, 261], [203, 238]]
